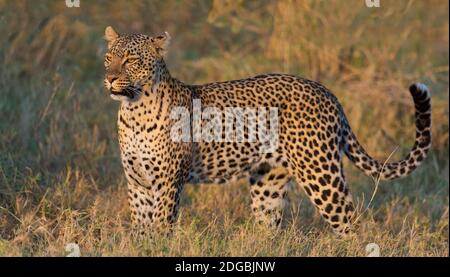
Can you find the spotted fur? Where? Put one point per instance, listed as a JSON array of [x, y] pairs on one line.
[[314, 135]]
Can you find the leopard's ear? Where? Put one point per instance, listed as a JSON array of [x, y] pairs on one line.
[[110, 35], [161, 43]]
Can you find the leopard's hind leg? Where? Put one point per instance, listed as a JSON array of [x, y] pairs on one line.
[[317, 167], [324, 183]]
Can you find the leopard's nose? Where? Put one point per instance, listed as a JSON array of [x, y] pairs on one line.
[[111, 78]]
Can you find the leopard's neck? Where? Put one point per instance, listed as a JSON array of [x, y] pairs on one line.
[[160, 94]]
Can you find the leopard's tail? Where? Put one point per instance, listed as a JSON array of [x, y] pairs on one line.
[[392, 170]]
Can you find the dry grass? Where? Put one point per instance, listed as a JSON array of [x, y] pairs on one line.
[[60, 175]]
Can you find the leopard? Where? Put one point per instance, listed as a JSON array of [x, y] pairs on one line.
[[314, 135]]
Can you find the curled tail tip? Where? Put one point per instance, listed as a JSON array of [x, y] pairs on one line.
[[385, 171], [419, 91]]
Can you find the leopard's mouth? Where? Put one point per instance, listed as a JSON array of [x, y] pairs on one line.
[[129, 92], [124, 92]]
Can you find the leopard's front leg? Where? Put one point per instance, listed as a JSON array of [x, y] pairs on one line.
[[154, 209], [155, 183]]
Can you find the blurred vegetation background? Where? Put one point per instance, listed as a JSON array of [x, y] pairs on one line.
[[59, 158]]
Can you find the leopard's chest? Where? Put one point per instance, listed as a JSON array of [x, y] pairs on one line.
[[143, 137]]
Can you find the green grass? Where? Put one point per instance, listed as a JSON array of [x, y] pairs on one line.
[[60, 175]]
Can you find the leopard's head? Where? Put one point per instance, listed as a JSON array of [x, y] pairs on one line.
[[132, 61]]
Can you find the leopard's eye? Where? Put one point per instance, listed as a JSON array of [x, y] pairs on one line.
[[107, 59], [132, 59]]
